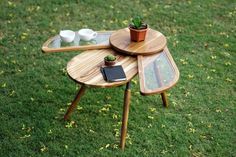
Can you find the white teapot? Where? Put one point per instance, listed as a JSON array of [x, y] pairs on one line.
[[87, 34]]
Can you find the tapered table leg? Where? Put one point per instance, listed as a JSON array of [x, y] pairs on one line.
[[75, 102], [164, 99], [126, 105]]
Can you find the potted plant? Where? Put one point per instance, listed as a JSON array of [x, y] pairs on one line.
[[138, 29], [110, 60]]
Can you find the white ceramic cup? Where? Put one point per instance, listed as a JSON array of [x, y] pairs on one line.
[[87, 34], [67, 35]]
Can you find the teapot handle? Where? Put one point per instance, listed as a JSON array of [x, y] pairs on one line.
[[95, 34]]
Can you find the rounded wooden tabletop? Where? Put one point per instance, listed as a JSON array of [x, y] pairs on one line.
[[85, 67], [153, 43]]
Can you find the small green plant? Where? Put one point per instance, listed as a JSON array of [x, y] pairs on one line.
[[137, 23], [110, 58]]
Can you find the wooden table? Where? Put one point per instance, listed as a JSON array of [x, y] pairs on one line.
[[85, 70], [151, 59]]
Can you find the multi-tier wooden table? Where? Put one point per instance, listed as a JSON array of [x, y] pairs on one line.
[[151, 59]]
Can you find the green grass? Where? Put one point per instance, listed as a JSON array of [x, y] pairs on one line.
[[35, 90]]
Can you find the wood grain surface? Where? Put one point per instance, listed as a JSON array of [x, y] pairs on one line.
[[85, 67], [154, 42]]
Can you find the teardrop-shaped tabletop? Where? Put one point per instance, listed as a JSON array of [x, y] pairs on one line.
[[85, 67], [157, 72]]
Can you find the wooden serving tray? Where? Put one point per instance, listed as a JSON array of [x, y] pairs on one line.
[[55, 44]]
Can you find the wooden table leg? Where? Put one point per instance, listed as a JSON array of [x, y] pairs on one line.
[[126, 105], [75, 102], [164, 99]]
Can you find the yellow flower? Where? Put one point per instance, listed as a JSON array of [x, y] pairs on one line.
[[209, 77], [13, 61], [190, 123], [101, 148], [228, 63], [183, 61], [227, 54], [108, 97], [43, 148], [25, 136], [152, 109], [209, 126], [38, 7], [70, 124], [210, 25], [192, 130], [150, 117], [111, 21], [115, 146], [187, 94], [4, 85], [10, 3], [213, 70], [114, 116], [104, 109], [190, 147], [49, 91], [226, 45], [90, 130], [25, 34], [50, 131], [190, 76], [228, 80], [213, 57], [164, 151], [134, 81], [130, 142], [53, 31], [203, 136], [199, 65], [125, 22], [79, 108], [12, 93]]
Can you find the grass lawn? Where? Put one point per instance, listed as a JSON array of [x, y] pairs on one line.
[[35, 90]]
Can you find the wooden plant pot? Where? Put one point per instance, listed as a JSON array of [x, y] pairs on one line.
[[137, 35], [109, 63]]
